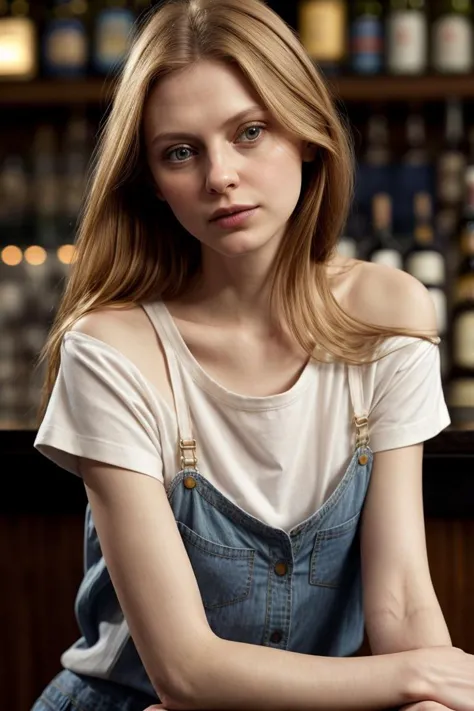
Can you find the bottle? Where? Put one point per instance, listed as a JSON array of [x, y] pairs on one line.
[[113, 29], [461, 389], [76, 153], [383, 248], [452, 37], [375, 171], [46, 186], [425, 261], [18, 41], [407, 37], [367, 37], [65, 39], [15, 192], [414, 172], [450, 170], [322, 30]]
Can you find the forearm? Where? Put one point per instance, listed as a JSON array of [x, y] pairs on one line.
[[425, 627], [240, 676]]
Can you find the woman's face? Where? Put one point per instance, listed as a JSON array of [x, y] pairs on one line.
[[216, 159]]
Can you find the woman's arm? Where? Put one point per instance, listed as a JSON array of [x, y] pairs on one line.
[[187, 664], [401, 608]]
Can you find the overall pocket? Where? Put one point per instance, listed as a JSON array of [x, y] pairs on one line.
[[336, 554], [224, 574]]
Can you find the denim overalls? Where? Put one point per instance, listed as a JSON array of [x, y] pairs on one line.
[[298, 590]]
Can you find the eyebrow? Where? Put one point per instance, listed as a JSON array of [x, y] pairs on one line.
[[189, 136]]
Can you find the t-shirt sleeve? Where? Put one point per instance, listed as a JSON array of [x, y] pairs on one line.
[[100, 408], [408, 404]]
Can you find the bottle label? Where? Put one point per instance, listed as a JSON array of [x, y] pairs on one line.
[[66, 44], [407, 42], [113, 33], [322, 29], [428, 267], [463, 340], [452, 44], [451, 167], [17, 48], [367, 45]]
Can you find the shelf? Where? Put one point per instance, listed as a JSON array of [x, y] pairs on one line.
[[351, 89], [404, 88], [61, 92]]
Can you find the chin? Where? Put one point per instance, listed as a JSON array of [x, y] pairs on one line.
[[238, 245]]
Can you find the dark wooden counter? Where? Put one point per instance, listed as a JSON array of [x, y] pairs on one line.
[[36, 485]]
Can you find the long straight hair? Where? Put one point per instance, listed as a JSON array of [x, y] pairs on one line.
[[130, 248]]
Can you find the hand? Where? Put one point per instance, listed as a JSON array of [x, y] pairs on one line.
[[447, 675]]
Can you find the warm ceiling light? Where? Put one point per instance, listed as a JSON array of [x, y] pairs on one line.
[[11, 255]]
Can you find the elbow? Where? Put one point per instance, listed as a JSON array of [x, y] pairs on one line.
[[182, 687]]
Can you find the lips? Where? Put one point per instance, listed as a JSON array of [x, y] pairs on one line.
[[238, 210]]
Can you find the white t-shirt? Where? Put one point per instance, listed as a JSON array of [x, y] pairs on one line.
[[279, 457]]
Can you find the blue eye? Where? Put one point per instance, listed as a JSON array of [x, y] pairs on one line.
[[177, 150]]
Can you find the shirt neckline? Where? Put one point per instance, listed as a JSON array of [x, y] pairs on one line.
[[192, 366]]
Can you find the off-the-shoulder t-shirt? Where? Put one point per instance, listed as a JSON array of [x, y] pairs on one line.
[[277, 457]]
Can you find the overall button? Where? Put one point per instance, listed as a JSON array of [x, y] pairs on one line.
[[363, 459], [276, 637], [190, 482], [281, 568]]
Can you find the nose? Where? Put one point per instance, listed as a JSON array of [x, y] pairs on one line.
[[221, 173]]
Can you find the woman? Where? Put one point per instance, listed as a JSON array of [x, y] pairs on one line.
[[215, 381]]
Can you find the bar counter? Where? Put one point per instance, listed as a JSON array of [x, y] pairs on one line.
[[33, 484]]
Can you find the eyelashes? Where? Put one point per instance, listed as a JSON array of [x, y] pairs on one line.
[[168, 155]]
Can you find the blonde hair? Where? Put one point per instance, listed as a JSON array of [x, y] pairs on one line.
[[130, 248]]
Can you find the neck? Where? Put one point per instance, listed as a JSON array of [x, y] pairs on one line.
[[234, 290]]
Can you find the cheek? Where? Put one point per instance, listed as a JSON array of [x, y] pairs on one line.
[[176, 191], [282, 176]]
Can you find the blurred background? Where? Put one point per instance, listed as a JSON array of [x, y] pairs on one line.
[[402, 72]]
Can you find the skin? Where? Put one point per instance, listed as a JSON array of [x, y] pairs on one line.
[[224, 165]]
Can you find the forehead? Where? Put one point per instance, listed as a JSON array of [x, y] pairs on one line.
[[204, 90]]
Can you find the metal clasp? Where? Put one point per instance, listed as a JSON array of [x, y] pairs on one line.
[[362, 436], [188, 453]]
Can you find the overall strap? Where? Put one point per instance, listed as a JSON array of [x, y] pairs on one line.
[[361, 415], [187, 444]]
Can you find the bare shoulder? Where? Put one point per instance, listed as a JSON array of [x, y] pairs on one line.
[[121, 328], [385, 296], [130, 332]]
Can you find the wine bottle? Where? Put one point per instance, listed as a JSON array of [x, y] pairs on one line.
[[383, 247], [18, 41], [426, 262], [322, 31], [452, 37], [414, 172], [112, 35], [450, 170], [367, 37], [65, 40], [407, 37]]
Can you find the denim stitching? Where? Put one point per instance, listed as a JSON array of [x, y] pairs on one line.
[[44, 699]]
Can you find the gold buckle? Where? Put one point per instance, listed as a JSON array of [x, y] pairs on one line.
[[362, 437], [187, 446]]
